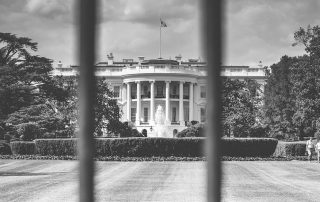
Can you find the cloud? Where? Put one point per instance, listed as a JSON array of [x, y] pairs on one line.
[[61, 10], [148, 12], [262, 30]]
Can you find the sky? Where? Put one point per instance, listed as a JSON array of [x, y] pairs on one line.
[[254, 30]]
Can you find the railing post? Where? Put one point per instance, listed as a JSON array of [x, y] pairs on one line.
[[87, 84], [212, 46]]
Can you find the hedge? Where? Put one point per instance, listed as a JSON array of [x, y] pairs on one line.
[[285, 149], [56, 147], [4, 148], [248, 147], [148, 147], [131, 147], [23, 148]]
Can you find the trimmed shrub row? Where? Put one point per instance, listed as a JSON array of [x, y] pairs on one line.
[[23, 148], [285, 149], [57, 147], [138, 147], [4, 148], [248, 147], [148, 147]]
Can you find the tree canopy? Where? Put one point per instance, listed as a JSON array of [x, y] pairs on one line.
[[292, 95], [240, 103]]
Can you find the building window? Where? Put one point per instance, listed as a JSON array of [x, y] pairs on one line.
[[203, 92], [160, 91], [185, 92], [134, 92], [202, 115], [145, 115], [186, 113], [116, 91], [174, 90], [252, 70], [235, 70], [174, 114], [145, 91], [133, 114]]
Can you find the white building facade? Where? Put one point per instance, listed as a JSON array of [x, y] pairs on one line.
[[179, 87]]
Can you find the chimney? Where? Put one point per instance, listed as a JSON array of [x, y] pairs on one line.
[[110, 59], [178, 58], [59, 64], [141, 58]]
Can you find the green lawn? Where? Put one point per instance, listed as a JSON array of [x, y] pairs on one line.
[[45, 180], [271, 181]]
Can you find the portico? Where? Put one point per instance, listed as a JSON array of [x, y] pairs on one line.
[[143, 97]]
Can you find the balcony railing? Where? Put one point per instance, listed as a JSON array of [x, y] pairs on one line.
[[174, 96], [145, 96], [159, 96]]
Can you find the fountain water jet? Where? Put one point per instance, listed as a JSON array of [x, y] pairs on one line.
[[160, 129]]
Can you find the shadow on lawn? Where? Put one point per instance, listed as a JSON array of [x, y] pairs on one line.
[[3, 174]]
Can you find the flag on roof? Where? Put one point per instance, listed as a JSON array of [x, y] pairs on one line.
[[162, 23]]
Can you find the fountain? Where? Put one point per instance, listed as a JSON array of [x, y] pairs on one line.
[[160, 130]]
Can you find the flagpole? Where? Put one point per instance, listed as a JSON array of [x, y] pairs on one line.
[[160, 41]]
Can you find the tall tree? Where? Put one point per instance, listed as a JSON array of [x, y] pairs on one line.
[[106, 109], [25, 78], [15, 50], [240, 100], [292, 95], [310, 39]]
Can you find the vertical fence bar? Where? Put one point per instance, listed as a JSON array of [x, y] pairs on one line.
[[87, 19], [211, 19]]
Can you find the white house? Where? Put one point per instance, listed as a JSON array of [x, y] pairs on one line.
[[178, 86]]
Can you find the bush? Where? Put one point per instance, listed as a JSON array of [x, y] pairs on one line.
[[123, 147], [23, 148], [259, 131], [2, 132], [194, 122], [126, 130], [56, 147], [196, 130], [5, 148], [28, 131], [248, 147], [285, 149]]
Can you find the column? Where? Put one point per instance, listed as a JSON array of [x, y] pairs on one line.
[[123, 95], [152, 102], [181, 115], [168, 103], [138, 103], [191, 118], [128, 101]]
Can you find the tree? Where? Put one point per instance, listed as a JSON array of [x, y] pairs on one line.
[[310, 39], [15, 49], [292, 95], [279, 99], [240, 100], [106, 109], [25, 79]]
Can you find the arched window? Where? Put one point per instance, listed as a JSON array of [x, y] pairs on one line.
[[144, 132]]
